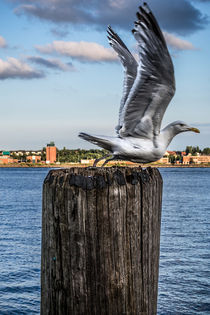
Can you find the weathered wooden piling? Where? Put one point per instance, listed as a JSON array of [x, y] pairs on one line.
[[100, 241]]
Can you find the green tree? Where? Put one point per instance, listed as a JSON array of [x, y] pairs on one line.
[[188, 150], [23, 157], [43, 154], [171, 159], [206, 151], [178, 158], [75, 156]]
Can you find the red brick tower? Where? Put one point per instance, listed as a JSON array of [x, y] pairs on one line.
[[50, 153]]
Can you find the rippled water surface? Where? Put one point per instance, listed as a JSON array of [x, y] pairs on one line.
[[184, 278], [20, 239], [185, 255]]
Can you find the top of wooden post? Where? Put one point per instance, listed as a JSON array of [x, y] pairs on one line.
[[97, 177]]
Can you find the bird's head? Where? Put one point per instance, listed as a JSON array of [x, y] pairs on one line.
[[180, 126]]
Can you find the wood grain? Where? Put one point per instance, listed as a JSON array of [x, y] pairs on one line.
[[100, 241]]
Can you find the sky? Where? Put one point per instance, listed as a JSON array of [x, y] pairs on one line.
[[59, 76]]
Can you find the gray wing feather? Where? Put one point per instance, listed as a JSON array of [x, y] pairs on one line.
[[130, 68], [154, 85]]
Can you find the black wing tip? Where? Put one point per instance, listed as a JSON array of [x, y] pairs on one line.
[[138, 15], [110, 31], [82, 134], [114, 38], [147, 17], [146, 6], [144, 12]]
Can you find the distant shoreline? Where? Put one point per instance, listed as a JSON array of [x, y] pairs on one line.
[[66, 165]]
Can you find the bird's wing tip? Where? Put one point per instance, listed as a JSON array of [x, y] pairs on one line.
[[81, 134]]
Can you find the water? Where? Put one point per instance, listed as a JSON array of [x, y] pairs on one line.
[[184, 260], [184, 278], [20, 239]]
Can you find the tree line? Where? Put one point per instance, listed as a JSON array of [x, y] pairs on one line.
[[194, 150], [75, 156], [189, 150]]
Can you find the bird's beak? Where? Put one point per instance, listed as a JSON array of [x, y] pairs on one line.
[[194, 129]]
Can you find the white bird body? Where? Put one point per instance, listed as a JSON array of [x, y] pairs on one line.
[[134, 149], [148, 89], [137, 150]]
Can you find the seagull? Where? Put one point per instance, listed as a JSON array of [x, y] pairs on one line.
[[148, 88]]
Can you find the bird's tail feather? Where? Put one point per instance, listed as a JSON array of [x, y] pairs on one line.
[[101, 142]]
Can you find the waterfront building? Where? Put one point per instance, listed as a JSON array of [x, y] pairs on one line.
[[197, 159], [50, 153], [5, 158], [34, 158], [171, 153], [164, 160]]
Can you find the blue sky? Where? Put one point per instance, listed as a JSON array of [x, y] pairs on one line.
[[58, 75]]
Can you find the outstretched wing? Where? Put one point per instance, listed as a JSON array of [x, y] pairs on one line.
[[154, 85], [130, 67]]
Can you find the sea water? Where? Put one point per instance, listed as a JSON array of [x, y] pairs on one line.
[[184, 275]]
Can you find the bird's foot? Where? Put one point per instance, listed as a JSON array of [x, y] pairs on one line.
[[108, 160], [98, 160]]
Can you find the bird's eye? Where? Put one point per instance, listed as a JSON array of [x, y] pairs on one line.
[[181, 125]]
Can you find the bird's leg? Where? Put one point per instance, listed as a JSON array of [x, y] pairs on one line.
[[111, 159], [101, 158]]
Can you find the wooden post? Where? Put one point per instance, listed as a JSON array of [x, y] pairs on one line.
[[100, 241]]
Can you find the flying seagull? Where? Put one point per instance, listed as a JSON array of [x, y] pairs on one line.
[[148, 89]]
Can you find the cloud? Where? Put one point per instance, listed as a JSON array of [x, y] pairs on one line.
[[119, 4], [83, 51], [93, 52], [59, 32], [177, 43], [52, 63], [16, 69], [3, 43], [180, 16]]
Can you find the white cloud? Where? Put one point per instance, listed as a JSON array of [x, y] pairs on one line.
[[2, 42], [118, 4], [177, 43], [83, 51], [14, 68]]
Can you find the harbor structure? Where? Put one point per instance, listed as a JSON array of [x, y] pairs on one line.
[[51, 153], [100, 241]]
